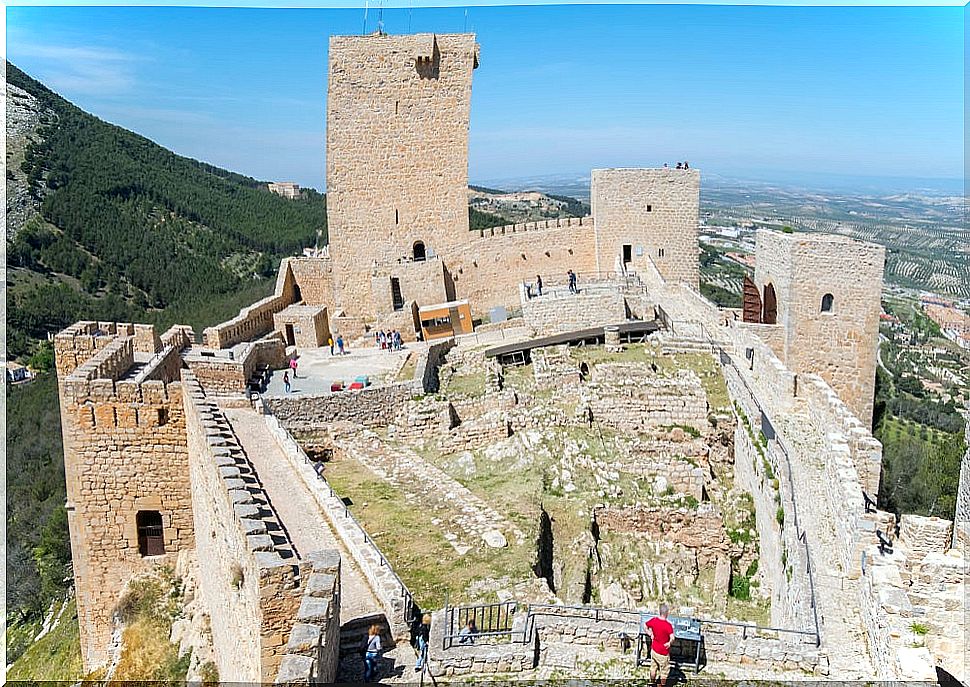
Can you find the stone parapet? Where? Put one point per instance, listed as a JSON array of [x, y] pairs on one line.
[[251, 578], [538, 225], [374, 406], [313, 650]]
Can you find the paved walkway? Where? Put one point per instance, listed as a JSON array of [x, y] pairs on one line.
[[305, 524], [317, 369]]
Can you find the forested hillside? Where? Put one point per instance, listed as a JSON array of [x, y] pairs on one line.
[[124, 226]]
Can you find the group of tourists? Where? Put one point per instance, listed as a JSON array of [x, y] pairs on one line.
[[388, 340], [420, 636], [339, 343], [680, 165], [535, 289]]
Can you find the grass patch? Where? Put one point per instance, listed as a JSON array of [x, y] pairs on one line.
[[56, 656], [148, 608], [407, 371], [417, 549], [464, 385]]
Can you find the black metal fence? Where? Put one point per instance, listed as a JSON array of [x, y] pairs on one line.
[[491, 623]]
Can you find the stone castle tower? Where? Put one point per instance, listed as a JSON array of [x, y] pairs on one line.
[[820, 301], [125, 461], [647, 214], [398, 112]]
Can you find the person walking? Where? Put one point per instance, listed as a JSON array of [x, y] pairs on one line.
[[539, 284], [422, 634], [293, 366], [286, 382], [330, 341], [661, 637], [372, 653], [340, 344]]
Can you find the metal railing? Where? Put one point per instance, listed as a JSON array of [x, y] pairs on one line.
[[492, 623]]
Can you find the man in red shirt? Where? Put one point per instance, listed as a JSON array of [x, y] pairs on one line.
[[661, 636]]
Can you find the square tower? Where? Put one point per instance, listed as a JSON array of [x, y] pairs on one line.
[[824, 292], [129, 503], [398, 111], [647, 214]]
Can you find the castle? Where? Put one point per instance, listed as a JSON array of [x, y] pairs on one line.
[[157, 463]]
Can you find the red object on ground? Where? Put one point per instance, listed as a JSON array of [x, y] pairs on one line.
[[357, 385], [661, 635], [337, 386]]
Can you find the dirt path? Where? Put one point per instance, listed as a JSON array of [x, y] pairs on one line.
[[305, 524]]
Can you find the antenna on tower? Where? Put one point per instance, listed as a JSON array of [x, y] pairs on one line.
[[380, 18], [409, 16], [363, 30], [464, 27]]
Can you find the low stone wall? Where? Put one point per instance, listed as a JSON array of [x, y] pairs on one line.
[[313, 650], [387, 587], [557, 313], [251, 580], [426, 371], [375, 406], [630, 397], [110, 363], [220, 374]]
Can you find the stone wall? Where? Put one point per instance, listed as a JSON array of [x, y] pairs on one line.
[[374, 406], [251, 579], [124, 452], [314, 279], [489, 270], [655, 211], [398, 111], [387, 587], [425, 282], [630, 397], [559, 312], [220, 374], [254, 320]]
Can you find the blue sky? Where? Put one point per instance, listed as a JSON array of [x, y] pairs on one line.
[[737, 90]]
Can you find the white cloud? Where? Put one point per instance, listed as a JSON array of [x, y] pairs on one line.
[[72, 70]]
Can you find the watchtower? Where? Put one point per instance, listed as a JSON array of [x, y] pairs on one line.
[[398, 111], [823, 291], [645, 215], [125, 462]]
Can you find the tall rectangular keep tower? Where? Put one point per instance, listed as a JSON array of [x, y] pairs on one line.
[[824, 291], [647, 214], [398, 111]]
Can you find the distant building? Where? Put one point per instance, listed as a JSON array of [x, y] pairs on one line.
[[287, 189], [955, 324], [17, 373]]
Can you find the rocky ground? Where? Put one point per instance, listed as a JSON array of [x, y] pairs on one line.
[[25, 114]]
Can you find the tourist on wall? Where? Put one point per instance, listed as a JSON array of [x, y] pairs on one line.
[[286, 382], [330, 342], [382, 340], [373, 652], [293, 366], [538, 285], [340, 344], [467, 634], [662, 636], [420, 641]]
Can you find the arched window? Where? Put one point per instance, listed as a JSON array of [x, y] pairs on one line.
[[827, 301], [151, 538], [769, 315], [418, 251]]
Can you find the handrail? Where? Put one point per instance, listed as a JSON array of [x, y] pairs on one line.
[[539, 609]]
